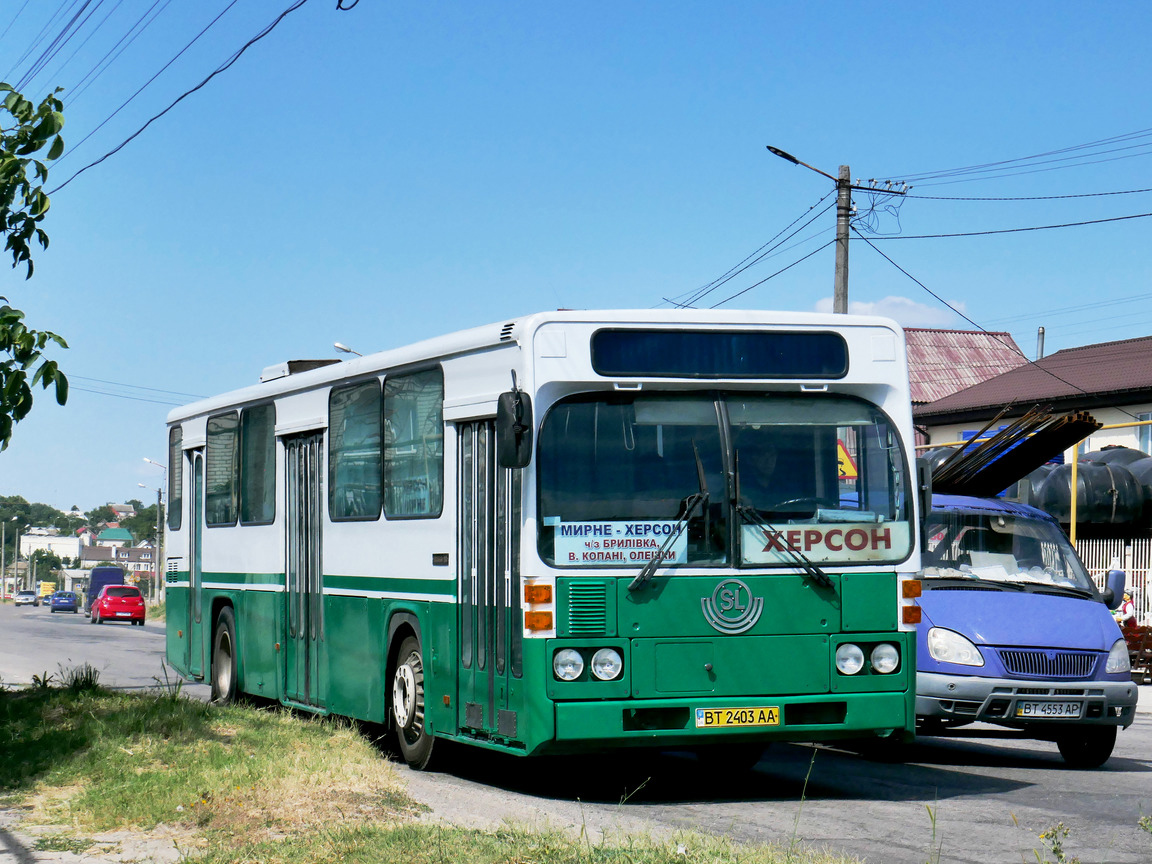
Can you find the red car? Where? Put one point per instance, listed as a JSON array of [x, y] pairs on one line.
[[118, 603]]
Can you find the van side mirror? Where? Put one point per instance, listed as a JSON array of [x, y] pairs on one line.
[[513, 429], [1113, 587], [924, 498]]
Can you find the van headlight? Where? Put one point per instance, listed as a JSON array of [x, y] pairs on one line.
[[567, 664], [1118, 658], [948, 646]]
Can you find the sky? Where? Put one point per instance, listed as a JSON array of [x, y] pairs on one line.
[[399, 170]]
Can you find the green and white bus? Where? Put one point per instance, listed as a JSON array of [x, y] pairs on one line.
[[566, 532]]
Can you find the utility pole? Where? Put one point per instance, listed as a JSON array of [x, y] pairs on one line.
[[844, 187], [843, 216]]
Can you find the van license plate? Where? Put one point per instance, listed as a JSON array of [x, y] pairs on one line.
[[1061, 710], [720, 718]]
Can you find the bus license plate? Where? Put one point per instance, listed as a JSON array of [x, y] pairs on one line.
[[1062, 710], [721, 718]]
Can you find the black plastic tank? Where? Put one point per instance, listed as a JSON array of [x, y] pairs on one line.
[[1106, 494], [1114, 455], [1141, 469], [1026, 490]]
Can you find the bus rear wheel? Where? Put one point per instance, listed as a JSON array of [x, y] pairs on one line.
[[408, 705], [1089, 747], [224, 658]]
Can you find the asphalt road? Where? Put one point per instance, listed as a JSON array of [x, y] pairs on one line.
[[974, 800], [35, 641]]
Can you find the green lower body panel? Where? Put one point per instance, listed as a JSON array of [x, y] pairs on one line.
[[679, 722]]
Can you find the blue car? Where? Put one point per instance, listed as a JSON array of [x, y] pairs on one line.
[[1015, 633], [64, 601]]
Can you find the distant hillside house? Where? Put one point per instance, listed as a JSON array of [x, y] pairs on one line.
[[123, 511], [114, 537], [136, 561]]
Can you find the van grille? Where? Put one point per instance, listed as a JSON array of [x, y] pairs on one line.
[[1049, 664], [587, 608]]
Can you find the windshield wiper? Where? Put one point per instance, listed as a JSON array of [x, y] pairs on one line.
[[695, 500], [752, 515]]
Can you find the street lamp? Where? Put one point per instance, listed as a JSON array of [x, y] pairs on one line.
[[340, 346], [19, 531], [3, 550], [157, 586]]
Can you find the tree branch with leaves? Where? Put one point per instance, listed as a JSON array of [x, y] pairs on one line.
[[23, 205]]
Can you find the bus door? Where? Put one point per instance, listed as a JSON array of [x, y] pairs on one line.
[[491, 633], [194, 646], [304, 583]]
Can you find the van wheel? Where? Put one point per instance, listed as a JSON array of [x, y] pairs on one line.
[[408, 705], [1087, 748], [224, 658]]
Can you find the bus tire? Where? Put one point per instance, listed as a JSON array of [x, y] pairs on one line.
[[408, 705], [1088, 747], [224, 658]]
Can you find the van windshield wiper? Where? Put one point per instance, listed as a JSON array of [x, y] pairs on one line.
[[694, 501], [752, 515]]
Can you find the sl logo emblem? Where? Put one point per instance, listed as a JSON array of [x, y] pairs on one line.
[[732, 608]]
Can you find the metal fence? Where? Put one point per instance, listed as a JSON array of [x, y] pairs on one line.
[[1132, 556]]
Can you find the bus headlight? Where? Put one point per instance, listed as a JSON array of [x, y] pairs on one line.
[[607, 664], [849, 659], [1118, 658], [885, 658], [567, 664], [948, 646]]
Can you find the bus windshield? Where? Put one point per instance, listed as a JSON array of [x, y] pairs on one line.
[[621, 478]]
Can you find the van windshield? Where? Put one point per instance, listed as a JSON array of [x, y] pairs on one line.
[[1002, 547]]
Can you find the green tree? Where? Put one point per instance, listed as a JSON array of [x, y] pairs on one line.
[[143, 524], [101, 515], [25, 131]]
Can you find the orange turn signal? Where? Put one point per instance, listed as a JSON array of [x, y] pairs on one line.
[[538, 594], [911, 614], [912, 588], [538, 620]]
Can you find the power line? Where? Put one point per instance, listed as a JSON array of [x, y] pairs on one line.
[[157, 75], [952, 172], [1011, 230], [222, 68], [748, 261], [1011, 347], [774, 275], [1029, 197], [136, 387], [126, 396]]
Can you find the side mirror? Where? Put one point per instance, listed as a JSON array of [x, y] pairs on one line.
[[924, 498], [514, 429], [1113, 587]]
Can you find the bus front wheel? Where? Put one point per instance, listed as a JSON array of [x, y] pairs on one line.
[[408, 705], [224, 658]]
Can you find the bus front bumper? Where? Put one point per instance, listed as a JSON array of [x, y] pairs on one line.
[[679, 722]]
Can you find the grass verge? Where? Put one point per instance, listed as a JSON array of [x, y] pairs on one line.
[[249, 785]]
